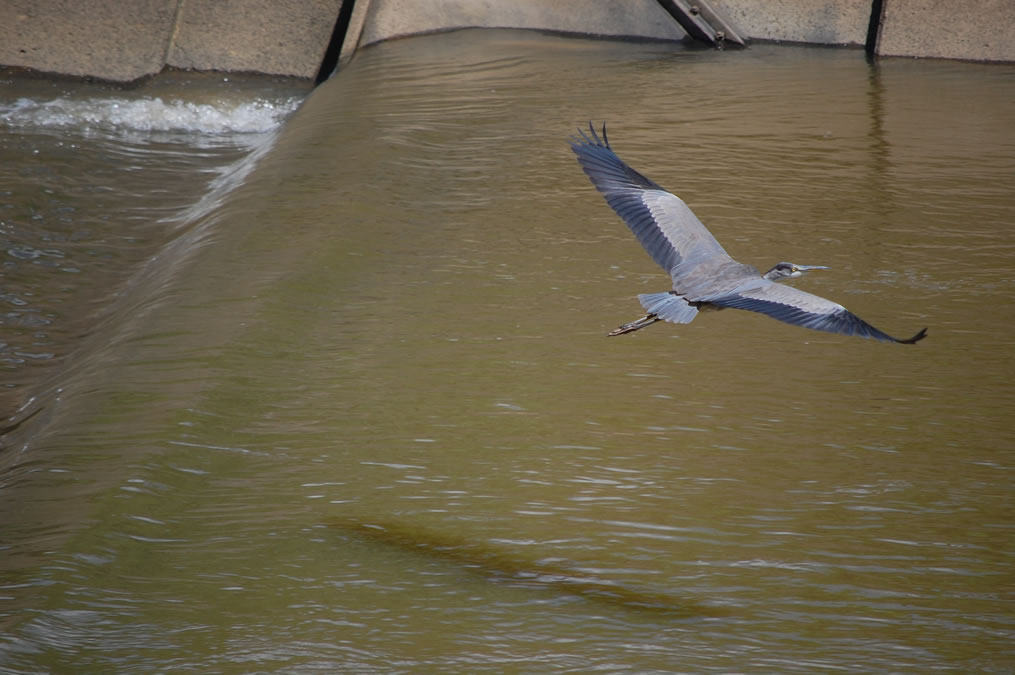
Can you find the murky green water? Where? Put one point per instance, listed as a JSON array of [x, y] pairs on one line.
[[361, 414]]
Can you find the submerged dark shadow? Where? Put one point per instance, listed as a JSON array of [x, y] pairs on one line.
[[499, 564]]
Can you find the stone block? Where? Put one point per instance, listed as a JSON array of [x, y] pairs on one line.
[[979, 31], [828, 22], [264, 36], [107, 39], [387, 19]]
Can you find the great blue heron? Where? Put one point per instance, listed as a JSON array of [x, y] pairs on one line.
[[704, 275]]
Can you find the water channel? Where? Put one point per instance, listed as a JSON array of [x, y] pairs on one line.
[[334, 393]]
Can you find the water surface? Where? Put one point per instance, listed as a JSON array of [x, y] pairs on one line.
[[360, 414]]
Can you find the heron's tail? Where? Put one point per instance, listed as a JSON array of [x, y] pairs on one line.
[[668, 306]]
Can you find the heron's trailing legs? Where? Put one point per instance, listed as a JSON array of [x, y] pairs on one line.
[[634, 325]]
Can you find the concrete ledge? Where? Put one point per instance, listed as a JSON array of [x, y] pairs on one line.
[[124, 41], [109, 40], [979, 31], [826, 22], [264, 36]]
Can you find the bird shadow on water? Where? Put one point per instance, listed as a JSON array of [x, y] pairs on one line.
[[501, 565]]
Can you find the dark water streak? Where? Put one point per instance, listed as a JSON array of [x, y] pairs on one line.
[[498, 562]]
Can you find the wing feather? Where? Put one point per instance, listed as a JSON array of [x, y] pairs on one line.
[[801, 308], [666, 227]]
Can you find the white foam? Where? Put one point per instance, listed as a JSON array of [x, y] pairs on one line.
[[148, 114]]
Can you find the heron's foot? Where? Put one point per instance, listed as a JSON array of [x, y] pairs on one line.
[[916, 338], [634, 325]]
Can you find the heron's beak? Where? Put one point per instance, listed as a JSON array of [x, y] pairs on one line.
[[808, 268]]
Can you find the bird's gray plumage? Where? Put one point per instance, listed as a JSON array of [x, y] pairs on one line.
[[704, 275]]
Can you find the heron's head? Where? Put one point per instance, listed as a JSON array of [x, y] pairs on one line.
[[785, 270]]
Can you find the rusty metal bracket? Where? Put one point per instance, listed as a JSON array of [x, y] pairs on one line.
[[703, 23]]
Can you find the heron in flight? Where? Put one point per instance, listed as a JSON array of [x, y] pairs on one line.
[[704, 275]]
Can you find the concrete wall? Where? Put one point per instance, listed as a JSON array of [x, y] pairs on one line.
[[978, 30], [125, 40], [76, 37], [975, 30], [128, 39], [829, 22], [981, 30], [386, 19], [266, 36]]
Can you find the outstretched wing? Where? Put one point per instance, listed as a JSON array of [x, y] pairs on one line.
[[661, 221], [800, 308]]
